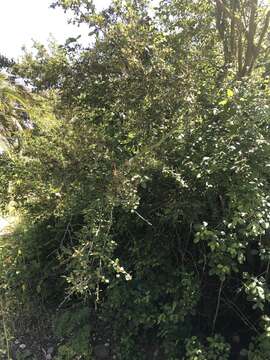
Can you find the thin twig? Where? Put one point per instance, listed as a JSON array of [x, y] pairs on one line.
[[218, 306], [241, 315], [141, 217], [5, 329]]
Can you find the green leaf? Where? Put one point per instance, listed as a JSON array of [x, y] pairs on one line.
[[230, 93]]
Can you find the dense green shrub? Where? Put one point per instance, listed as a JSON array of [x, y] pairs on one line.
[[143, 182], [74, 326], [216, 349]]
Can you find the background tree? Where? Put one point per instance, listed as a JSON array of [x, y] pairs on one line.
[[243, 28]]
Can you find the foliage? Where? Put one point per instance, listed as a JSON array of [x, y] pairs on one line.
[[13, 104], [259, 348], [143, 181], [5, 62], [215, 349], [74, 327]]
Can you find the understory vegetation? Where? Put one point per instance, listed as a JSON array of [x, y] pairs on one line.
[[137, 167]]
